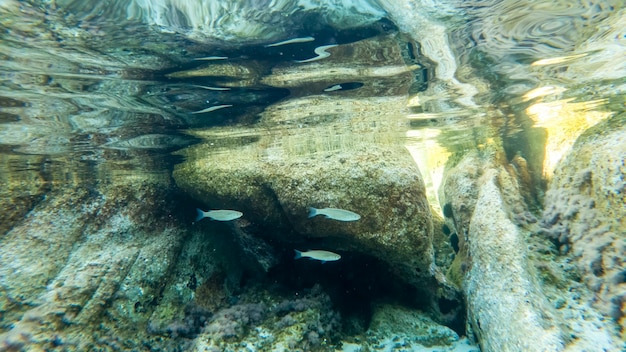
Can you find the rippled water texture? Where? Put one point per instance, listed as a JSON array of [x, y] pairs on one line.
[[119, 118]]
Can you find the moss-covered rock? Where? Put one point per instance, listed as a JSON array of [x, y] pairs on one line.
[[21, 187]]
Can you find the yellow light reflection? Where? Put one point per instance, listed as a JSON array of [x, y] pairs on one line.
[[564, 122], [557, 60], [414, 101], [430, 158], [542, 92]]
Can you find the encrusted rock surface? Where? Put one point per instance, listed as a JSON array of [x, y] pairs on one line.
[[520, 293], [400, 326], [86, 263], [505, 304], [342, 150], [382, 185], [20, 188], [586, 217]]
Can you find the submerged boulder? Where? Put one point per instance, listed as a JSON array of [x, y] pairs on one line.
[[342, 149], [382, 185], [85, 268], [499, 285], [585, 214], [393, 326], [519, 292]]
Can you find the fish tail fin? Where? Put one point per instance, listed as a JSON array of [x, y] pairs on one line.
[[312, 212], [298, 254], [200, 214]]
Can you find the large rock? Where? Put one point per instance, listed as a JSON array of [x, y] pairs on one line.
[[505, 303], [343, 149], [585, 214], [519, 293], [381, 184], [393, 326], [85, 268]]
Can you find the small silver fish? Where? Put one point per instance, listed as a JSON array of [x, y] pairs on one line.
[[323, 256], [291, 41], [335, 214], [211, 88], [212, 108], [219, 215], [211, 58]]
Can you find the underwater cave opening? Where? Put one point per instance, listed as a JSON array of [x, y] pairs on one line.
[[355, 283]]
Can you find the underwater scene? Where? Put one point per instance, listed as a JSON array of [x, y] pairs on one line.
[[313, 175]]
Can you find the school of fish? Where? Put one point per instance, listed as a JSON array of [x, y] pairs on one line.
[[329, 213]]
